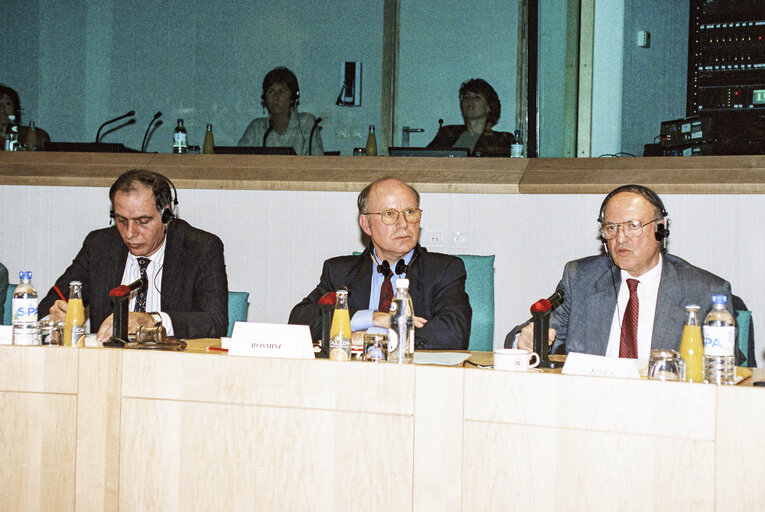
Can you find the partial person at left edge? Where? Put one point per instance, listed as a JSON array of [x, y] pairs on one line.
[[10, 105], [284, 126], [187, 284]]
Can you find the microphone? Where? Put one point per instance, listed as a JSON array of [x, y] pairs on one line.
[[123, 291], [110, 121], [143, 144], [268, 132], [310, 137], [540, 314]]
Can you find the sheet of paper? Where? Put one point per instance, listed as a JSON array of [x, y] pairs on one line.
[[270, 340], [443, 358], [6, 334], [600, 366]]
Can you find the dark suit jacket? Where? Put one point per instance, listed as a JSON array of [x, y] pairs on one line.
[[194, 282], [436, 284], [590, 287], [488, 141], [3, 290]]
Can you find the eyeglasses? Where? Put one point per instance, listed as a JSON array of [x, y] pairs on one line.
[[474, 97], [632, 228], [389, 217]]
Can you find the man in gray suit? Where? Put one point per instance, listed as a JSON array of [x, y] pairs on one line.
[[187, 285], [598, 296]]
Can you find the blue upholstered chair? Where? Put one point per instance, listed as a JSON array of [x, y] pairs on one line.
[[237, 309], [8, 299], [479, 286]]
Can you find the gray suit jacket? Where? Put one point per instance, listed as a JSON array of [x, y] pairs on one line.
[[194, 282], [591, 285]]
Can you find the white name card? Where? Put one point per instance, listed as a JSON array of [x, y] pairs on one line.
[[600, 366], [6, 334], [271, 340]]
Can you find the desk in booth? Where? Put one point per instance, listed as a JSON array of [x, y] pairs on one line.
[[109, 429]]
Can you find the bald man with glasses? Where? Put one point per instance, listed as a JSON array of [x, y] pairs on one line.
[[389, 214]]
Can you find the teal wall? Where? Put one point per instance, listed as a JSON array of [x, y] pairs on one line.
[[77, 63]]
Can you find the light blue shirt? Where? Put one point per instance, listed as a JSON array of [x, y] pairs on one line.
[[363, 318]]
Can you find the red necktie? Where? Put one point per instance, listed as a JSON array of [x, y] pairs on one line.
[[386, 292], [628, 340]]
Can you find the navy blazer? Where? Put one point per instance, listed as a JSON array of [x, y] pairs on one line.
[[436, 284], [194, 282]]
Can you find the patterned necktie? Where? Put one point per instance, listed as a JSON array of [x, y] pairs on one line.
[[386, 292], [628, 340], [140, 299]]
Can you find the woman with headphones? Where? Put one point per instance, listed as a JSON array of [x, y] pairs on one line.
[[284, 126]]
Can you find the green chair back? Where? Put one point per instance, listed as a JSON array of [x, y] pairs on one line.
[[237, 309], [479, 286], [745, 342], [8, 300]]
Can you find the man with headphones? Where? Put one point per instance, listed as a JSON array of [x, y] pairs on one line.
[[283, 127], [632, 298], [389, 214], [187, 288]]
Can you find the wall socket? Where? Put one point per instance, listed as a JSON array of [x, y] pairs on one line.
[[433, 238], [458, 240]]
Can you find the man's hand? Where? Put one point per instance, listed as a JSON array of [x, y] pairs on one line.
[[134, 321], [58, 310], [381, 319], [526, 339]]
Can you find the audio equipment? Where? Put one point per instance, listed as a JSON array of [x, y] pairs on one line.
[[662, 230], [110, 121], [310, 137], [166, 197], [146, 134]]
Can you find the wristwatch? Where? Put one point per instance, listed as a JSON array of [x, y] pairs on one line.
[[157, 318]]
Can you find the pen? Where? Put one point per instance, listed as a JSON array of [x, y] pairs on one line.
[[217, 349], [59, 293]]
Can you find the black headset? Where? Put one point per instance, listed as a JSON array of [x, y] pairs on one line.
[[161, 187], [662, 230], [284, 75]]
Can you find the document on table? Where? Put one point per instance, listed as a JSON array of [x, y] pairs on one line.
[[440, 358]]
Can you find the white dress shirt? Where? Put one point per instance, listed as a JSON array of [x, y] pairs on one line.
[[647, 292], [154, 290]]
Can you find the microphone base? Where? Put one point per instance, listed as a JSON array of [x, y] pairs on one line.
[[549, 365], [114, 343]]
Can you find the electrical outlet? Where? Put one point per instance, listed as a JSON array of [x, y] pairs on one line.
[[459, 240], [434, 238]]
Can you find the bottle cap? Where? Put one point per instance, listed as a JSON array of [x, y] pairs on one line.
[[719, 299], [402, 283]]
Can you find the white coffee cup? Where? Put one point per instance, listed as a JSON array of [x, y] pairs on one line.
[[514, 359]]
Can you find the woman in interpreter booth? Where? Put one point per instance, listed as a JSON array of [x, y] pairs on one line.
[[481, 109], [10, 106], [284, 126]]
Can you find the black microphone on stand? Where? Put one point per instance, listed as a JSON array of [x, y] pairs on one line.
[[110, 121], [120, 297], [268, 132], [310, 137], [143, 144], [540, 314]]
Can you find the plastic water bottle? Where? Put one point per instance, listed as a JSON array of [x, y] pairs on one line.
[[719, 343], [180, 138], [401, 332], [12, 137], [516, 148], [24, 312]]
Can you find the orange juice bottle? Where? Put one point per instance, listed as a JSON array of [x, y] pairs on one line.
[[692, 345], [74, 323], [340, 332]]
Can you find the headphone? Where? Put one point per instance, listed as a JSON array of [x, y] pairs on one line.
[[161, 187], [284, 75], [401, 267], [662, 230]]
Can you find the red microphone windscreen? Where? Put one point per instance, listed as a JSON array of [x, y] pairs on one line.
[[541, 306], [328, 299], [120, 291]]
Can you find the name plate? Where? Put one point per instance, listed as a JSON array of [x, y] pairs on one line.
[[270, 340], [600, 366]]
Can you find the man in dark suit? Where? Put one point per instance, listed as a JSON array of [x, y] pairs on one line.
[[184, 266], [596, 290], [389, 214]]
